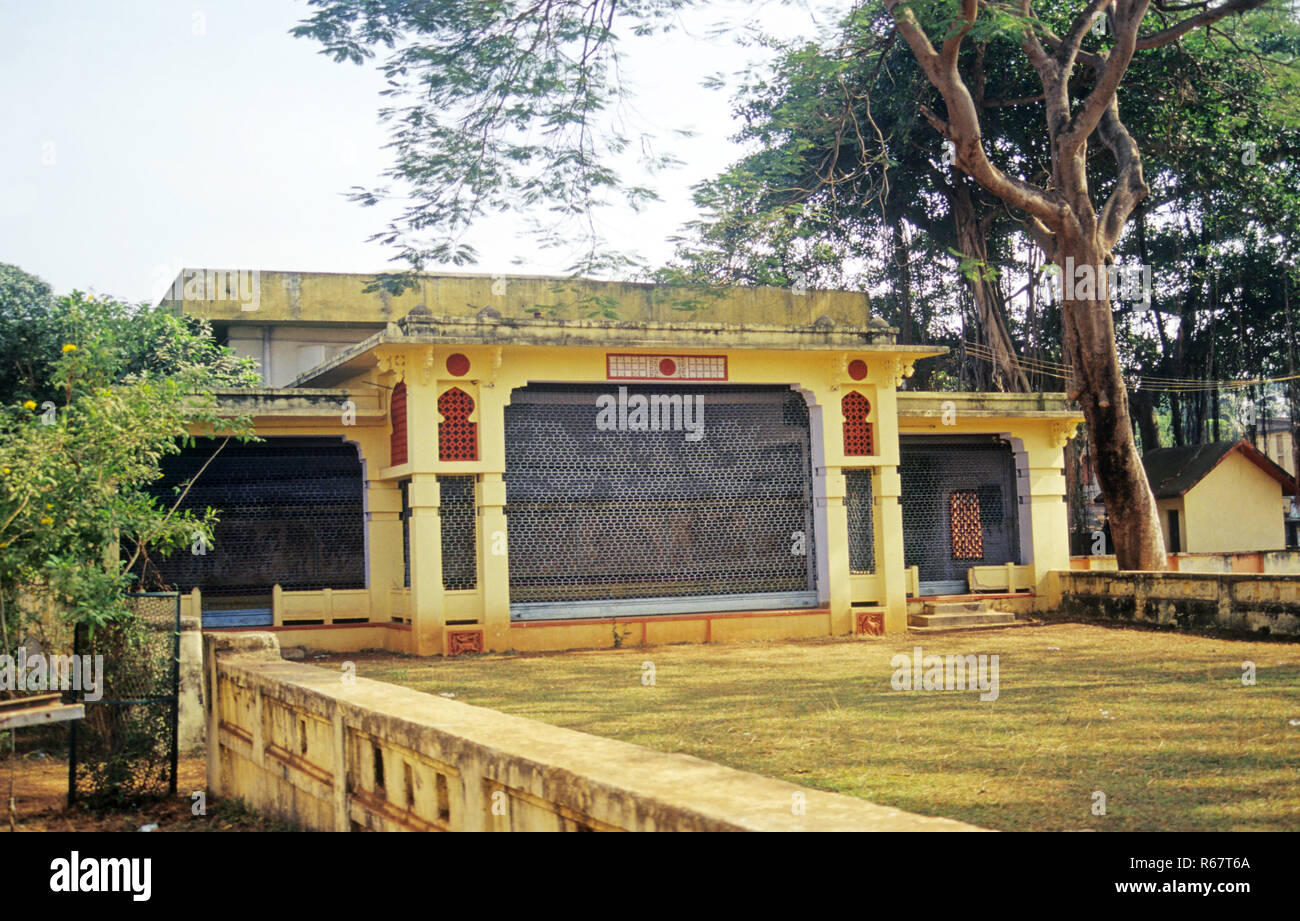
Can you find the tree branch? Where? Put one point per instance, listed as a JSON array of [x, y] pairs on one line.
[[962, 126], [1128, 16], [1204, 18], [1131, 188]]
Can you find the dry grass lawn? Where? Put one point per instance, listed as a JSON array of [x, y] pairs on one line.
[[1161, 723]]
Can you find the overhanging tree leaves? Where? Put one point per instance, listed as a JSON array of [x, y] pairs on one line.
[[498, 105], [126, 388]]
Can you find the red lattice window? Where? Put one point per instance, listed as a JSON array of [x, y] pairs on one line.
[[967, 529], [858, 439], [397, 415], [457, 436]]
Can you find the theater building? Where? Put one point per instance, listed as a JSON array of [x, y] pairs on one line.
[[491, 463]]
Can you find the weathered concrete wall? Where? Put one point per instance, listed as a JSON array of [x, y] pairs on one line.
[[1236, 602], [1278, 562], [326, 298], [191, 721], [304, 744]]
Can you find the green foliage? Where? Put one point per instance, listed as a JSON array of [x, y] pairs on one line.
[[840, 158], [137, 341], [27, 335], [496, 106], [124, 750], [75, 469]]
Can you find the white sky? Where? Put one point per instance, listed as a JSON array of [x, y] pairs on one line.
[[140, 136]]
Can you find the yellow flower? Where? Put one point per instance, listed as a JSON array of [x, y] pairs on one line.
[[48, 506], [47, 521], [30, 404], [68, 347], [6, 470]]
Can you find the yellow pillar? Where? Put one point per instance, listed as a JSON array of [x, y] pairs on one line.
[[494, 562], [1050, 524], [889, 548], [494, 558], [426, 564], [887, 487], [383, 538], [837, 552]]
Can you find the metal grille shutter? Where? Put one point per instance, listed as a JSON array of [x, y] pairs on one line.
[[615, 516], [861, 515], [291, 513], [949, 486], [459, 527]]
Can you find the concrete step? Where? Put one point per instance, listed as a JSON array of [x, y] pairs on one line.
[[956, 607], [1016, 625], [962, 620]]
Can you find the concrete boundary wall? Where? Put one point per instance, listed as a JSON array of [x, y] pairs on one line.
[[191, 721], [301, 743], [1235, 602], [1276, 562]]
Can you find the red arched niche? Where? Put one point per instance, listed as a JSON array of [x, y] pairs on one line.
[[397, 415], [457, 436], [858, 440]]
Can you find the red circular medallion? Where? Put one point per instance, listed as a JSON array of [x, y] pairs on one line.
[[857, 369], [667, 367], [457, 365]]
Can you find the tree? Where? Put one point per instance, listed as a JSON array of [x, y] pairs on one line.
[[845, 186], [138, 339], [1060, 213], [1218, 227], [844, 169], [76, 510], [27, 335]]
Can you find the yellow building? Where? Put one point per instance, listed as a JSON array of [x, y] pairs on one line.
[[498, 463], [1221, 497], [1277, 443]]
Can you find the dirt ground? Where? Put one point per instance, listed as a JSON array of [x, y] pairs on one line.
[[40, 794]]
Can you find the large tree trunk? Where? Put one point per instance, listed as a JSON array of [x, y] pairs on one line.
[[1099, 387], [1144, 412], [901, 273], [990, 308]]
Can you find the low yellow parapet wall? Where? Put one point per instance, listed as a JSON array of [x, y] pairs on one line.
[[330, 751]]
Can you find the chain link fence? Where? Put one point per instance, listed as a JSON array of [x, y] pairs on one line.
[[126, 747]]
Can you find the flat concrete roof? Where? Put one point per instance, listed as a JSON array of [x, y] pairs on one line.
[[267, 297], [929, 404], [489, 330]]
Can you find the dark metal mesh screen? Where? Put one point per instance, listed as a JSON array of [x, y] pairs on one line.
[[623, 514], [405, 487], [862, 537], [938, 480], [459, 547], [291, 513], [126, 746]]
